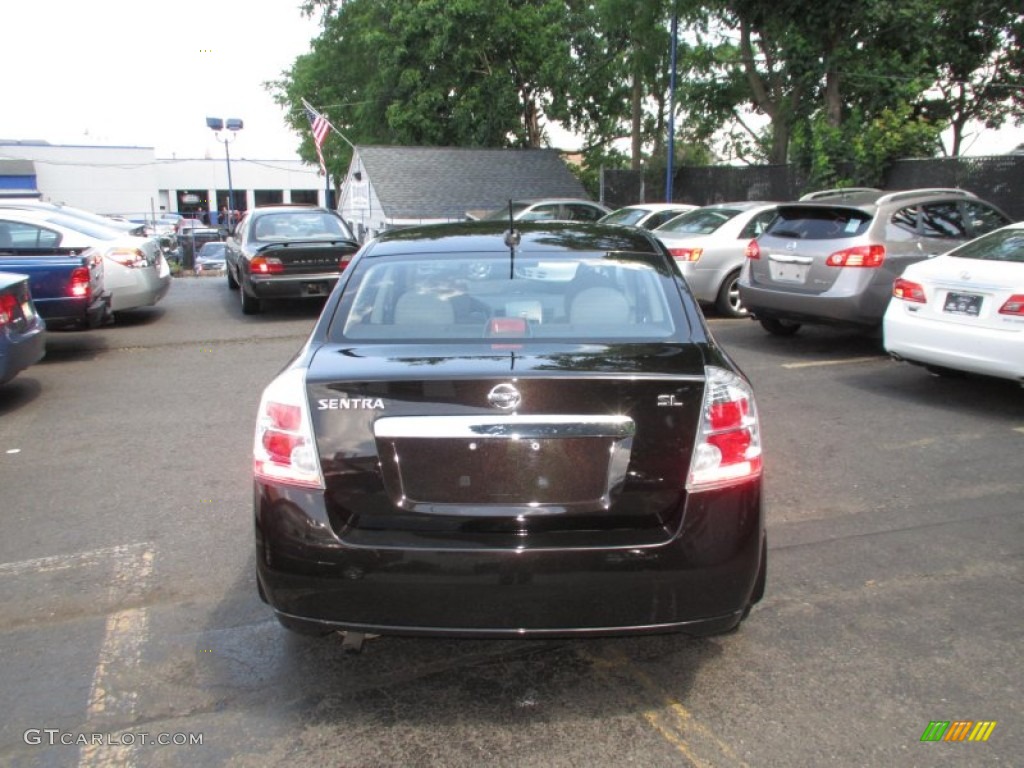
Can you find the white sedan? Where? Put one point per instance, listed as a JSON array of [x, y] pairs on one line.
[[134, 268], [963, 311]]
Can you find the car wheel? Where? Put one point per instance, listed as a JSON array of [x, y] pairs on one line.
[[728, 302], [250, 304], [778, 327], [232, 283]]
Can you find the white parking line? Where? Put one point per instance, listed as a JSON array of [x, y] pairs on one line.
[[125, 634], [847, 361]]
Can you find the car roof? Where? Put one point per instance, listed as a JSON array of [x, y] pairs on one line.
[[868, 198], [464, 237]]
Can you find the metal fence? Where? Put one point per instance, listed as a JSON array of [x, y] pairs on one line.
[[998, 179]]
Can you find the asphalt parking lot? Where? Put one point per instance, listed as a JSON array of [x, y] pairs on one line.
[[131, 630]]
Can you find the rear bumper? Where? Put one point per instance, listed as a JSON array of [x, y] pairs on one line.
[[73, 311], [20, 350], [700, 581], [954, 345], [846, 303], [292, 286]]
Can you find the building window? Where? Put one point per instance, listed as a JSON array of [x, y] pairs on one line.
[[306, 196], [268, 196]]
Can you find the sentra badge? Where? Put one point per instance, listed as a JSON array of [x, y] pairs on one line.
[[504, 396], [350, 404]]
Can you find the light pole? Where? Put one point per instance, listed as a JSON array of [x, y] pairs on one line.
[[219, 128]]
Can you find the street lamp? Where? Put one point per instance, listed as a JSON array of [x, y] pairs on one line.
[[219, 128]]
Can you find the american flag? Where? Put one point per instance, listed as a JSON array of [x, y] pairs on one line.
[[320, 128]]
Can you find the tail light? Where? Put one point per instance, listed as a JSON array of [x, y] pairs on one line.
[[8, 308], [686, 254], [266, 265], [908, 291], [1013, 306], [344, 262], [80, 284], [859, 256], [728, 448], [128, 257], [284, 450], [753, 250]]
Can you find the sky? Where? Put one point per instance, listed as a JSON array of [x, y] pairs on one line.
[[142, 74]]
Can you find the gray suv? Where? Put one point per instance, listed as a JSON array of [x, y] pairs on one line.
[[832, 256]]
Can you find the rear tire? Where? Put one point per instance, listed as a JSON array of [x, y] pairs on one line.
[[250, 304], [778, 327], [728, 301]]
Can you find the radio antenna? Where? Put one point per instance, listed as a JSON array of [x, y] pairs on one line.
[[512, 239]]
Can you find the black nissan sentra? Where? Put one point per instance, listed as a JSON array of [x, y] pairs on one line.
[[510, 433]]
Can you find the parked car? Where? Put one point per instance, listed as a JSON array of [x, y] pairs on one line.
[[710, 244], [832, 257], [645, 215], [550, 209], [210, 257], [541, 425], [287, 251], [121, 225], [135, 272], [192, 239], [963, 311], [22, 330]]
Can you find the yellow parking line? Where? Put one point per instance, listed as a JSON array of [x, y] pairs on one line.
[[847, 361], [672, 720]]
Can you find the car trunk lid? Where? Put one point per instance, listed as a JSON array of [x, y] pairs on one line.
[[495, 443]]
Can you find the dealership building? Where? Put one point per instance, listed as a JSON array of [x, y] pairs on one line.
[[132, 181]]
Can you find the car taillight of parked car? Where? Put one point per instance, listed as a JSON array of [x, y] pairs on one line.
[[266, 265], [80, 284], [1013, 306], [284, 449], [686, 254], [728, 447], [343, 262], [859, 256], [128, 257], [908, 290], [8, 308], [753, 250]]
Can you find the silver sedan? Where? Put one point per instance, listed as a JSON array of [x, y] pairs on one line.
[[709, 245]]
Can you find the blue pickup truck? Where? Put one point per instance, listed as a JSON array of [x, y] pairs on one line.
[[66, 283]]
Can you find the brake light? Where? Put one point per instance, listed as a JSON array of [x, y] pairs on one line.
[[686, 254], [1013, 306], [343, 262], [859, 256], [266, 265], [8, 305], [908, 291], [728, 447], [128, 257], [80, 284], [753, 250], [284, 449]]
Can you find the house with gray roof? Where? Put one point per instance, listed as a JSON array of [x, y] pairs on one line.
[[388, 187]]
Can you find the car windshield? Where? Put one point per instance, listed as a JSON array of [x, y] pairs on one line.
[[568, 297], [1001, 245], [818, 223], [212, 249], [703, 221], [299, 225]]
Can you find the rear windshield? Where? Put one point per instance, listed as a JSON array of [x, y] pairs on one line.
[[579, 296], [299, 225], [1002, 245], [818, 223], [699, 222]]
